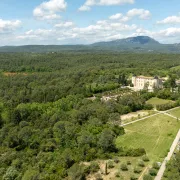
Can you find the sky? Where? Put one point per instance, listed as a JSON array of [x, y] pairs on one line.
[[87, 21]]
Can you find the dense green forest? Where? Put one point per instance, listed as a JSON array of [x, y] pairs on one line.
[[48, 123]]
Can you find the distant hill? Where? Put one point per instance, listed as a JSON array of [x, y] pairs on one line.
[[132, 44], [139, 40]]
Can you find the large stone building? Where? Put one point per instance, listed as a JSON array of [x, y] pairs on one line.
[[148, 83]]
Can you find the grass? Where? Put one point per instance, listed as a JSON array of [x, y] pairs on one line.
[[155, 135], [175, 112], [156, 101]]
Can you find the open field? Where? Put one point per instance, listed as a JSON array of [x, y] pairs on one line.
[[175, 112], [155, 134], [156, 101]]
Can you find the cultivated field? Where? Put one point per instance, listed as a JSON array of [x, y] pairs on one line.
[[155, 134]]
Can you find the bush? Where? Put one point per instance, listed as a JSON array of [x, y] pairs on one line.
[[145, 158], [110, 164], [98, 177], [76, 172], [141, 163], [119, 176], [147, 177], [152, 172], [137, 170], [124, 167], [133, 177], [11, 173], [135, 152], [164, 107], [155, 165], [94, 167], [128, 162], [148, 106], [116, 160]]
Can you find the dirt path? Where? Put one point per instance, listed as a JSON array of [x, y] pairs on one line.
[[163, 166], [142, 174]]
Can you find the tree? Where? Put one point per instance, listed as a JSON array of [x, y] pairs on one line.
[[106, 141]]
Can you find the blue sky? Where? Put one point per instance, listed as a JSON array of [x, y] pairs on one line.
[[87, 21]]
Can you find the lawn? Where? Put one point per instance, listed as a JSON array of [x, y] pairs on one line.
[[156, 101], [155, 134], [175, 112]]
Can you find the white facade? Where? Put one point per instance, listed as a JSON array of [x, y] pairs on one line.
[[149, 83]]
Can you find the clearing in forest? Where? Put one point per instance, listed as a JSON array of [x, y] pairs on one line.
[[155, 135], [157, 101]]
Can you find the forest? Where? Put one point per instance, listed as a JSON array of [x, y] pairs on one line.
[[48, 122]]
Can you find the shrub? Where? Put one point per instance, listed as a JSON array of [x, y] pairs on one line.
[[116, 160], [124, 167], [147, 177], [141, 163], [119, 176], [135, 152], [11, 173], [133, 177], [145, 158], [76, 172], [137, 170], [155, 165], [94, 167], [152, 172], [148, 106], [110, 164], [128, 162], [98, 177]]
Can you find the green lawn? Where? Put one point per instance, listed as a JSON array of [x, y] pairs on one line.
[[175, 112], [156, 101], [155, 134]]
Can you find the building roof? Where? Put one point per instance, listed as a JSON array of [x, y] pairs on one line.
[[144, 77]]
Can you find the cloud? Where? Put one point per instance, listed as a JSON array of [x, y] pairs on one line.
[[64, 25], [116, 16], [48, 10], [7, 26], [170, 20], [89, 3], [84, 8], [141, 13], [100, 31]]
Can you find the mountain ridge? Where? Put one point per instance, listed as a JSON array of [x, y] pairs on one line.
[[130, 44]]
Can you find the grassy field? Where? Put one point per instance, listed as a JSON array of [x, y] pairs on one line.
[[175, 112], [156, 101], [155, 134]]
